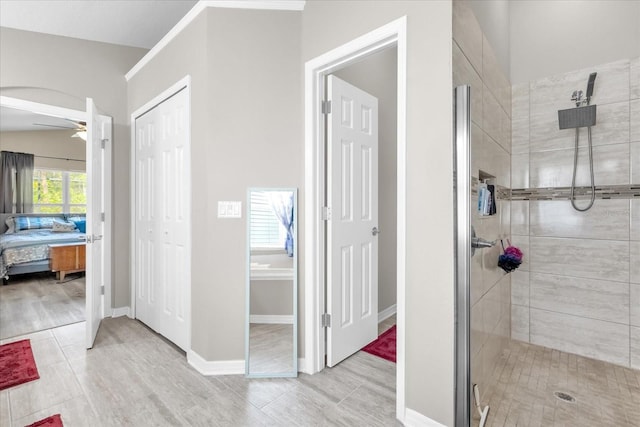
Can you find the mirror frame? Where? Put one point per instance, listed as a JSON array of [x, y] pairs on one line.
[[294, 371]]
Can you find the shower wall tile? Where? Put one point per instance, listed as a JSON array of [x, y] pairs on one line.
[[504, 211], [612, 127], [520, 323], [520, 217], [635, 162], [520, 119], [520, 171], [478, 335], [491, 309], [595, 299], [635, 120], [607, 219], [468, 35], [493, 119], [487, 155], [634, 254], [495, 78], [594, 259], [478, 158], [554, 92], [634, 317], [465, 74], [520, 288], [555, 168], [635, 347], [522, 242], [635, 78], [548, 95], [587, 337], [635, 220]]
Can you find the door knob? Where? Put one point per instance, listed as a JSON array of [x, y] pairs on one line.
[[375, 231]]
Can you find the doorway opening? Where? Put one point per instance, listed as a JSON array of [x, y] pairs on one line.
[[392, 35], [68, 268]]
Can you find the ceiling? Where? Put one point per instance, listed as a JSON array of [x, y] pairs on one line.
[[138, 23]]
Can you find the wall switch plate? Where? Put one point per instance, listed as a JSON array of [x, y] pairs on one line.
[[229, 209]]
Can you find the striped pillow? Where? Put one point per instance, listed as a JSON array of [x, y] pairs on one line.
[[32, 222]]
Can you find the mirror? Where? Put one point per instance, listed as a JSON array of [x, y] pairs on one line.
[[272, 283]]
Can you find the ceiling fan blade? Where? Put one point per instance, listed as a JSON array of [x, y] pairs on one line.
[[53, 126]]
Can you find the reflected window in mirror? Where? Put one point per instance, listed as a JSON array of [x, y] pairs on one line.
[[271, 332]]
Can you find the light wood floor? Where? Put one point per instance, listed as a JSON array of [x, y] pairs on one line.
[[133, 377], [525, 379], [34, 302]]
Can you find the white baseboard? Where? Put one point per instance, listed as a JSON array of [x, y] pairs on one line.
[[387, 312], [271, 318], [302, 365], [218, 367], [416, 419], [120, 311]]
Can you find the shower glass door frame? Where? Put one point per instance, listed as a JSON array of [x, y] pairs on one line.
[[462, 238]]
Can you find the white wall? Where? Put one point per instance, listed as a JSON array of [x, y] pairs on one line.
[[46, 144], [246, 132], [430, 320], [63, 71], [553, 37]]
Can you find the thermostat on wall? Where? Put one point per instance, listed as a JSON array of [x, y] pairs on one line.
[[229, 209]]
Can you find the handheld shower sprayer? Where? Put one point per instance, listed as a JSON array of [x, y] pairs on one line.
[[592, 80]]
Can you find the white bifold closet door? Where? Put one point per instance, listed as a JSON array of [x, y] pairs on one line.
[[162, 218]]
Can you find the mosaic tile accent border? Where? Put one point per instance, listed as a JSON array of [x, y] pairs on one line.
[[562, 193]]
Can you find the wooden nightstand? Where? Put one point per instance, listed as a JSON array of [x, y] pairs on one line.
[[67, 258]]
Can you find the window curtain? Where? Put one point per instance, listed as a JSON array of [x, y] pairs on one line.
[[16, 182], [282, 204]]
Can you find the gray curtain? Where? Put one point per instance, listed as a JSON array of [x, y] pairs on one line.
[[16, 182]]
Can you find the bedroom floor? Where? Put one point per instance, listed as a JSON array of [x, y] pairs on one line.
[[34, 302], [134, 377]]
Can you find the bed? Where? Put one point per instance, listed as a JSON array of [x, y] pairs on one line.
[[27, 250]]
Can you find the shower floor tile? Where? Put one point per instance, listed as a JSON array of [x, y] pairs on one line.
[[522, 387]]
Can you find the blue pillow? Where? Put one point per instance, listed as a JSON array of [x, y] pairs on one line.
[[81, 225], [32, 222]]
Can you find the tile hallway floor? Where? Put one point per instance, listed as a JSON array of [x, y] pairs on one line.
[[133, 377]]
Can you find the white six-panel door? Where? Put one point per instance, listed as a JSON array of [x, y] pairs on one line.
[[352, 198], [162, 218], [98, 132]]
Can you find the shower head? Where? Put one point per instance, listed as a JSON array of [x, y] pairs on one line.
[[592, 79]]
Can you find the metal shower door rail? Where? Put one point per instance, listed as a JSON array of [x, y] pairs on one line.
[[462, 236]]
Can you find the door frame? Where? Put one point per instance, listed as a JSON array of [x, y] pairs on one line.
[[184, 83], [393, 34], [53, 110]]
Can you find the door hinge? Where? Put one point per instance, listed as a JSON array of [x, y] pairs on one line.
[[326, 320], [102, 290], [103, 143], [102, 216], [326, 213], [326, 107]]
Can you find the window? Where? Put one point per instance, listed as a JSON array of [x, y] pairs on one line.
[[266, 230], [56, 191]]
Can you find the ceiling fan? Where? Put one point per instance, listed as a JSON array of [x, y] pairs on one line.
[[79, 126]]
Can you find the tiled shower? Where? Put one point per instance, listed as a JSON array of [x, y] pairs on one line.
[[475, 64], [579, 290]]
